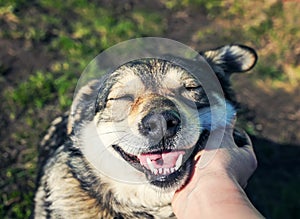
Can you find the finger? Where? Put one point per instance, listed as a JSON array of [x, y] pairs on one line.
[[229, 138], [230, 129], [248, 139], [253, 161], [219, 138], [230, 124], [248, 146], [233, 121]]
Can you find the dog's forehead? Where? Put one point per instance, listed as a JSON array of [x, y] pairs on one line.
[[150, 74], [125, 80]]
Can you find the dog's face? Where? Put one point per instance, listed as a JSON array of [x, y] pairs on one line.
[[152, 116], [151, 119]]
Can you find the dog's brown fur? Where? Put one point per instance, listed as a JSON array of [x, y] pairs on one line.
[[71, 185]]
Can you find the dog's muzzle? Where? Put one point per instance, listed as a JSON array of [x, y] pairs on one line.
[[160, 126], [164, 161]]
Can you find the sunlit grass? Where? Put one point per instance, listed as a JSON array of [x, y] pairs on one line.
[[77, 31]]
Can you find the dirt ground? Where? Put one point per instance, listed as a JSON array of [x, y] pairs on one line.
[[275, 114]]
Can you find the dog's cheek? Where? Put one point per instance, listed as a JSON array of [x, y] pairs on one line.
[[190, 129], [118, 110]]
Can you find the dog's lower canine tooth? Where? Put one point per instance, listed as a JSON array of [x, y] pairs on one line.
[[150, 165], [178, 162]]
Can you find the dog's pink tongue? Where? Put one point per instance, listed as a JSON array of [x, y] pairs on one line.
[[164, 160]]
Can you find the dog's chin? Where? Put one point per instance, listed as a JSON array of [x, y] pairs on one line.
[[166, 169]]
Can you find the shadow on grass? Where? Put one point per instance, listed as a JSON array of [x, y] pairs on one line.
[[274, 188]]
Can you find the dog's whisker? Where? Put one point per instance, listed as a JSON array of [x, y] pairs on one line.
[[121, 139], [112, 132]]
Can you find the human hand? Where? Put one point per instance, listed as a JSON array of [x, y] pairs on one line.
[[239, 163], [215, 186]]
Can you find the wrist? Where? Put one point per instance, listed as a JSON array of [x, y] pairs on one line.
[[214, 171], [218, 193], [217, 180], [213, 192]]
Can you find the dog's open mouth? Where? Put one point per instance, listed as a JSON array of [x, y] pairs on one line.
[[163, 163], [162, 168]]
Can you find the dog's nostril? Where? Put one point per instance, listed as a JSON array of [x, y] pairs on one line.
[[151, 125], [160, 125], [172, 122]]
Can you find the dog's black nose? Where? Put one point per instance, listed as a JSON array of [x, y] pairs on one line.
[[160, 125]]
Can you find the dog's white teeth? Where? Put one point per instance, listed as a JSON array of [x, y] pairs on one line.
[[150, 164], [178, 162], [160, 170], [166, 171], [163, 171]]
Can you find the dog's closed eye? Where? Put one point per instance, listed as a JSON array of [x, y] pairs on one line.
[[125, 97], [194, 88]]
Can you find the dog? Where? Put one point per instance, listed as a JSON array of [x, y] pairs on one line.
[[130, 140]]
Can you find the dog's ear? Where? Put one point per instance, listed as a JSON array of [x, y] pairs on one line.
[[83, 106], [231, 58]]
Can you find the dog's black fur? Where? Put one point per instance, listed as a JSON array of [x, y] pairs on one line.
[[70, 187]]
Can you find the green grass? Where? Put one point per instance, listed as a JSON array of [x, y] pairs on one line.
[[93, 29], [212, 7], [36, 92], [273, 30], [76, 31]]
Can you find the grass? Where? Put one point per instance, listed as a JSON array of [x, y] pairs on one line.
[[212, 7], [76, 31], [273, 30], [93, 29]]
